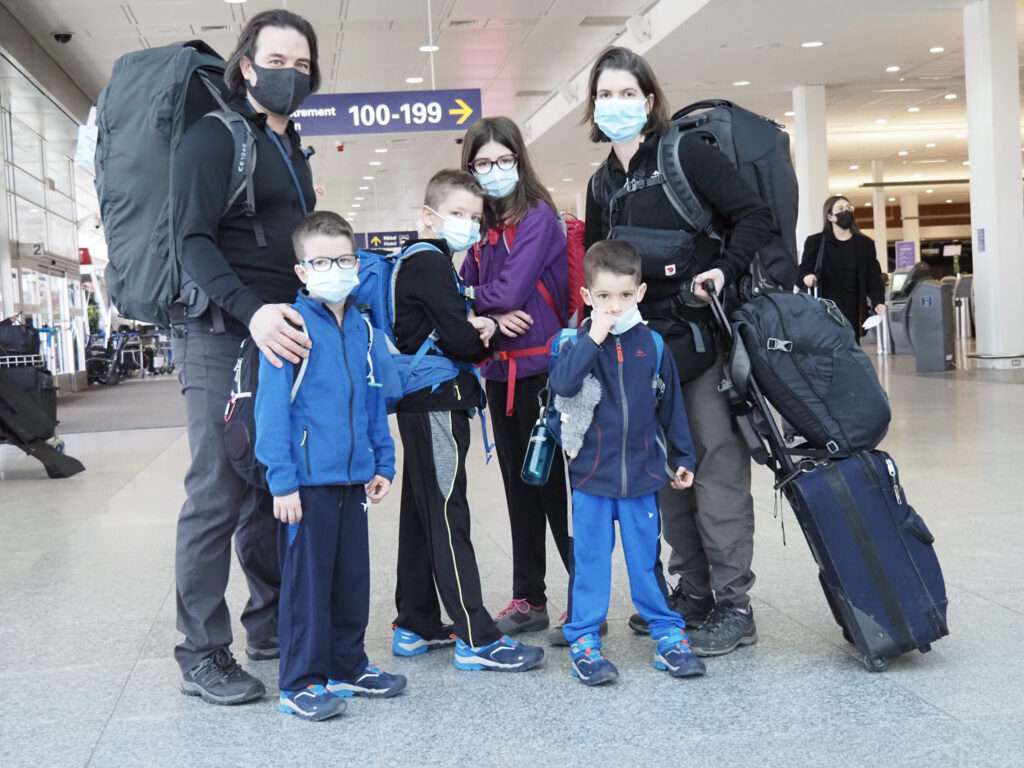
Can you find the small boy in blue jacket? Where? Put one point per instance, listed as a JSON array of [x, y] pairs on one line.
[[322, 433], [634, 440]]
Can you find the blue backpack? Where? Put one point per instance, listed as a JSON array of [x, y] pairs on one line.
[[375, 297]]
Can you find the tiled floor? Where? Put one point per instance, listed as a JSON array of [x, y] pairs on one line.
[[87, 627]]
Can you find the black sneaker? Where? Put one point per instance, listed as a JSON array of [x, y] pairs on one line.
[[725, 630], [556, 635], [694, 609], [266, 652], [218, 679]]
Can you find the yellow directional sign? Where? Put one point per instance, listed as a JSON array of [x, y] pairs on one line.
[[463, 112], [375, 240]]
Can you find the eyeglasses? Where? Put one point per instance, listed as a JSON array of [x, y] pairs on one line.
[[483, 166], [323, 263]]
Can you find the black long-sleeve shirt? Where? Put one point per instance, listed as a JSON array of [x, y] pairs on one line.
[[736, 209], [849, 273], [427, 299], [219, 250]]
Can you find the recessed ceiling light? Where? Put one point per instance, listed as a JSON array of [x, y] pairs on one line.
[[376, 163], [950, 97], [936, 49], [929, 191], [567, 180], [790, 113], [966, 162], [812, 44], [854, 167], [741, 83], [429, 49], [892, 199], [381, 150], [913, 109], [881, 121], [949, 201], [903, 153], [597, 164], [930, 145], [867, 204], [364, 189], [414, 80], [356, 205], [893, 68], [359, 199], [368, 178], [235, 2], [551, 189]]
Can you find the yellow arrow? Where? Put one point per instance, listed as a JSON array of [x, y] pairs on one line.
[[464, 110], [375, 240]]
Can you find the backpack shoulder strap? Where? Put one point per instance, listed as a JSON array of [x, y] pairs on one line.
[[659, 350], [677, 187], [300, 372], [243, 167], [564, 335], [412, 250]]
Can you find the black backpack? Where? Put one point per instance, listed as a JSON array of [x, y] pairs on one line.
[[152, 98], [804, 355], [759, 149]]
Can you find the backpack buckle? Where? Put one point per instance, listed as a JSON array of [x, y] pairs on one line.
[[832, 447], [779, 345]]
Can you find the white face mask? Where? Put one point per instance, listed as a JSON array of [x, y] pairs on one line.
[[628, 321], [460, 234], [332, 286]]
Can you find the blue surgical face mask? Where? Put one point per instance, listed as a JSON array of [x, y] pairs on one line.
[[621, 120], [460, 234], [332, 286], [627, 321], [498, 183]]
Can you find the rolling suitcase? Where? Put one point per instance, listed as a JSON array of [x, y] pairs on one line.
[[875, 555]]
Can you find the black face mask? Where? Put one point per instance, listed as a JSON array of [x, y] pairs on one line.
[[844, 219], [279, 91]]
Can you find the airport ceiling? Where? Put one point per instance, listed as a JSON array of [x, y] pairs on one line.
[[525, 55]]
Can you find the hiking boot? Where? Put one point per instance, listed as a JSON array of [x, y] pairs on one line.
[[372, 683], [556, 635], [503, 655], [522, 616], [589, 666], [314, 702], [675, 656], [218, 679], [694, 610], [405, 642], [266, 652], [725, 630]]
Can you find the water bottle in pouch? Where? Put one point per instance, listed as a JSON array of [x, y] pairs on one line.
[[540, 453]]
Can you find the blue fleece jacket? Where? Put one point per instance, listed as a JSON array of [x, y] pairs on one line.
[[336, 432], [625, 453]]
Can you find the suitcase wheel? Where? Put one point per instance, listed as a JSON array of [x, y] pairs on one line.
[[875, 663]]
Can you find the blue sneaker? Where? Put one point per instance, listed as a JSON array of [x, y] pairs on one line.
[[503, 655], [588, 664], [372, 682], [676, 657], [407, 643], [313, 702]]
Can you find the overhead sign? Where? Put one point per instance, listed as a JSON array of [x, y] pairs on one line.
[[388, 241], [906, 254], [343, 114]]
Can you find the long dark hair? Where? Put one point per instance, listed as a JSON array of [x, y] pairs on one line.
[[617, 57], [529, 191], [247, 47], [826, 211]]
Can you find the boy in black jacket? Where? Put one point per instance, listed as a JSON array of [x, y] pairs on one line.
[[433, 540]]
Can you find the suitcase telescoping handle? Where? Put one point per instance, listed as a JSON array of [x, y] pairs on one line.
[[786, 469]]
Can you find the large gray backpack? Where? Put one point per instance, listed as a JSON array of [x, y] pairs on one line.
[[152, 98]]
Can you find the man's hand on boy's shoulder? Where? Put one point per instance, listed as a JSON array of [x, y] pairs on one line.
[[683, 479], [377, 489], [273, 328], [288, 509]]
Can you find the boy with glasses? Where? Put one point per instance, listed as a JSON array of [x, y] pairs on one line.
[[324, 439]]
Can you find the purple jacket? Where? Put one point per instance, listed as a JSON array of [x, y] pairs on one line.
[[505, 281]]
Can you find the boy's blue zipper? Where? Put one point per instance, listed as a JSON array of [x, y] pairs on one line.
[[352, 390]]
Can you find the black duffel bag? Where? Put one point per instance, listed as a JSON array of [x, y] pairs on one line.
[[804, 355], [18, 339]]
